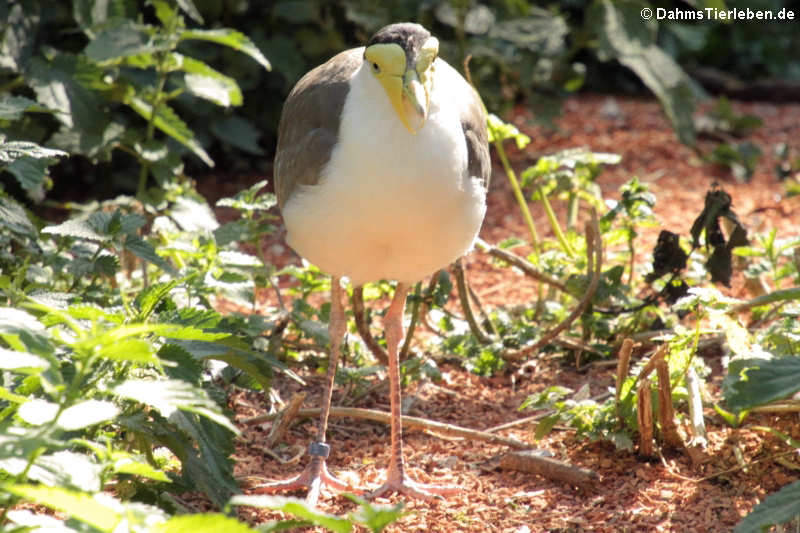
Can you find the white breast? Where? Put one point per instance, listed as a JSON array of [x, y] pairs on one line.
[[389, 204]]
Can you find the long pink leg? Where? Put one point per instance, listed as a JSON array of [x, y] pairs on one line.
[[397, 480], [316, 473]]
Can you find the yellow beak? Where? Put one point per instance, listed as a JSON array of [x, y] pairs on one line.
[[409, 98]]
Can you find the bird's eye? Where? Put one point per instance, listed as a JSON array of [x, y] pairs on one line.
[[376, 68]]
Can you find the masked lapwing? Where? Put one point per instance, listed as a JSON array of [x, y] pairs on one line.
[[381, 173]]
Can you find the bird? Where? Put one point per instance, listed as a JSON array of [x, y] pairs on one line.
[[381, 171]]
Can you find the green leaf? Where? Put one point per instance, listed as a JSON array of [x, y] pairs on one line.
[[77, 228], [170, 396], [27, 328], [234, 231], [144, 250], [623, 35], [37, 412], [754, 382], [168, 121], [202, 523], [191, 333], [193, 215], [120, 40], [97, 512], [238, 132], [59, 85], [500, 131], [250, 199], [184, 367], [375, 517], [205, 82], [14, 150], [116, 345], [188, 7], [776, 509], [298, 508], [204, 457], [231, 38], [545, 426], [21, 361], [64, 468], [13, 107], [125, 463], [30, 521], [98, 13], [14, 218], [150, 297], [87, 413], [259, 366]]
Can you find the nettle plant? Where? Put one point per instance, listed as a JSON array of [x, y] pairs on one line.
[[108, 85], [107, 319], [106, 323], [763, 361]]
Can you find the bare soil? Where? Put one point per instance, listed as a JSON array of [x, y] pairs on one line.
[[674, 493]]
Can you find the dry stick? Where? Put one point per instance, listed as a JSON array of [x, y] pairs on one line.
[[787, 406], [530, 461], [523, 264], [360, 317], [742, 467], [623, 367], [651, 363], [572, 344], [666, 414], [463, 297], [437, 428], [697, 422], [644, 416], [594, 248], [482, 311], [285, 418], [423, 308]]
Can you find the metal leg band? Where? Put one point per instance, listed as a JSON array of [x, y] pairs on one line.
[[319, 449]]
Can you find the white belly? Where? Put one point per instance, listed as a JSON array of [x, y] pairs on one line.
[[389, 205]]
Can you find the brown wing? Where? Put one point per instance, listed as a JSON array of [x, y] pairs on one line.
[[309, 125], [473, 123]]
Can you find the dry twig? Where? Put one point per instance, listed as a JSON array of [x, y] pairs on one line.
[[410, 422], [284, 418], [359, 314], [666, 414], [530, 461]]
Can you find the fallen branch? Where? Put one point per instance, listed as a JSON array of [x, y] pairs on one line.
[[360, 317], [786, 406], [463, 297], [410, 422], [531, 461], [521, 263], [285, 417]]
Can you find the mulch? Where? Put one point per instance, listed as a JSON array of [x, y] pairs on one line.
[[672, 493]]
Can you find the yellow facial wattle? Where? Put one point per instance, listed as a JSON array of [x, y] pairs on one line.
[[407, 86]]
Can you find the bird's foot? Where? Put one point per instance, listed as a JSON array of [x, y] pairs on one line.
[[401, 484], [314, 477]]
